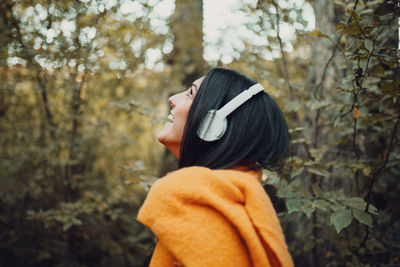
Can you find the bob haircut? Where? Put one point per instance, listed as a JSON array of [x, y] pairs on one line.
[[256, 131]]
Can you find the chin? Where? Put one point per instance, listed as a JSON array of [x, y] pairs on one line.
[[170, 138], [171, 145], [161, 139]]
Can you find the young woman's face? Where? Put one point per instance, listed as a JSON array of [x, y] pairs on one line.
[[171, 134]]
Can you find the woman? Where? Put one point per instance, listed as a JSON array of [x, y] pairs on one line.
[[213, 210]]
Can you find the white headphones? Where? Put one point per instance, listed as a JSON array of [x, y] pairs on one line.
[[213, 126]]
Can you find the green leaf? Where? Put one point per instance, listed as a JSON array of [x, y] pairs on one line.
[[372, 209], [363, 217], [307, 208], [320, 172], [66, 226], [296, 172], [341, 218], [317, 190], [356, 202], [293, 205], [309, 245], [321, 204], [383, 104], [319, 153]]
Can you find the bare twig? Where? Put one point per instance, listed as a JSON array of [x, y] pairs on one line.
[[379, 170], [284, 59], [332, 57], [355, 139]]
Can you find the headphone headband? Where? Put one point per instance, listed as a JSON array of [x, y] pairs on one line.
[[238, 100], [213, 126]]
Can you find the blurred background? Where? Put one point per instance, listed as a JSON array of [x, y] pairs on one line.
[[83, 94]]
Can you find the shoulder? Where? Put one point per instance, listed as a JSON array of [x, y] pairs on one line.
[[181, 177], [197, 181], [198, 175], [198, 172]]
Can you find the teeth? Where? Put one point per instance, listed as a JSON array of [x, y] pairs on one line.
[[170, 117]]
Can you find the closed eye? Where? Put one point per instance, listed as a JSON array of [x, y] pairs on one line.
[[191, 91]]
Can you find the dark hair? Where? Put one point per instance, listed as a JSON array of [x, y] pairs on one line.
[[256, 131]]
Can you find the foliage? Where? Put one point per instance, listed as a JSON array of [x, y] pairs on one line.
[[339, 185], [75, 102]]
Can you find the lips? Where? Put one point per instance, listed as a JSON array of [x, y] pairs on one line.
[[171, 117]]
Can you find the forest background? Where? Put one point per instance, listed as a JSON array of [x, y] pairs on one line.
[[80, 108]]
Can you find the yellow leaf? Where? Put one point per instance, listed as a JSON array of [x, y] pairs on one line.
[[318, 33], [356, 113]]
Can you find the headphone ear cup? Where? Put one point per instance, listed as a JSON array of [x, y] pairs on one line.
[[222, 130], [212, 127]]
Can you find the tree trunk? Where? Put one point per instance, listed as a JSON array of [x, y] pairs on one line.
[[187, 27]]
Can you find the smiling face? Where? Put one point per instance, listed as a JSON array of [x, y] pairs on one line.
[[172, 133]]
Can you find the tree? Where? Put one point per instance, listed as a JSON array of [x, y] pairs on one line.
[[187, 29]]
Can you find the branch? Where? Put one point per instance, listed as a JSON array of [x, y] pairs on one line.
[[326, 67], [355, 139], [369, 57], [332, 56], [379, 170], [284, 59], [49, 116]]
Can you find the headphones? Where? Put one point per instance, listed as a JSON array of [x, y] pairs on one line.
[[213, 126]]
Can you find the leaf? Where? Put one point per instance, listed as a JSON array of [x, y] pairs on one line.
[[366, 170], [363, 217], [379, 69], [353, 13], [309, 245], [296, 172], [319, 172], [356, 113], [318, 33], [356, 202], [341, 219], [317, 154], [321, 204], [384, 104], [307, 208], [293, 205], [352, 28], [372, 209], [316, 189], [66, 226]]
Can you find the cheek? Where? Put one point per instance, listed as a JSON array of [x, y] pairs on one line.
[[182, 115]]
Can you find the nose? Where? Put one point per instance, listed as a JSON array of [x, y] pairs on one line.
[[172, 100]]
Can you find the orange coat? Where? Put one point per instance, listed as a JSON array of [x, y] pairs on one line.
[[206, 217]]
